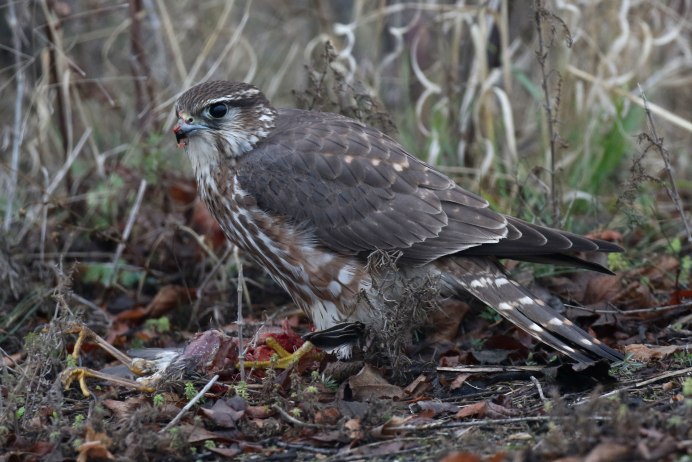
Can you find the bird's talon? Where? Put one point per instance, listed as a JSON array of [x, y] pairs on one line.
[[284, 360], [80, 374]]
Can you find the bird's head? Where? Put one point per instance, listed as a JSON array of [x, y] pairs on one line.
[[220, 119]]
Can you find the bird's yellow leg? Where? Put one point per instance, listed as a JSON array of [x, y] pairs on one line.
[[80, 374], [285, 359]]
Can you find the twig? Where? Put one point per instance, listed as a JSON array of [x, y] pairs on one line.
[[541, 55], [50, 188], [200, 241], [663, 152], [491, 369], [539, 388], [189, 405], [128, 230], [290, 419], [79, 299], [652, 309], [144, 87], [240, 321], [17, 134], [305, 447], [360, 452], [485, 422], [666, 375], [205, 282], [657, 378]]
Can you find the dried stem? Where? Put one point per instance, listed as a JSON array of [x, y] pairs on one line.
[[17, 135], [542, 56], [189, 405], [240, 321], [128, 229], [663, 152], [141, 72]]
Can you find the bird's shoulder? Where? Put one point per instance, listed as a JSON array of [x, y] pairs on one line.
[[360, 190]]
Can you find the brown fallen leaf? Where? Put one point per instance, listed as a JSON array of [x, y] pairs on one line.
[[123, 409], [461, 457], [258, 412], [389, 429], [476, 409], [418, 387], [445, 321], [437, 407], [369, 384], [458, 381], [327, 416], [608, 452], [646, 354], [95, 446], [353, 429], [225, 413], [167, 298]]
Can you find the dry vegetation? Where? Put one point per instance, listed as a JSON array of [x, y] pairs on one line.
[[537, 106]]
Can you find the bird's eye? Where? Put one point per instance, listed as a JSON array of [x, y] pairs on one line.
[[218, 110]]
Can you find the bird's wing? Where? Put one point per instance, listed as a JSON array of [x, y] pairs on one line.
[[358, 190]]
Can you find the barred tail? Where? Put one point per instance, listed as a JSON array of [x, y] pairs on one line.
[[485, 280]]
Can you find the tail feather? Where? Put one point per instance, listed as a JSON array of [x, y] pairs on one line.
[[484, 279]]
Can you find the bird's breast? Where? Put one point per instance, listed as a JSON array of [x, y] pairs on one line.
[[314, 276]]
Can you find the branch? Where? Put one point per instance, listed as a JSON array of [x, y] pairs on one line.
[[13, 24], [663, 152]]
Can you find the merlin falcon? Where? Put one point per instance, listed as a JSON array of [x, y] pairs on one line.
[[311, 195]]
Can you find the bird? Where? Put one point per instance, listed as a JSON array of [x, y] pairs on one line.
[[310, 196]]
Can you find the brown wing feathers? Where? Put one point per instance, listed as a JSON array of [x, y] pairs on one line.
[[484, 279], [361, 191]]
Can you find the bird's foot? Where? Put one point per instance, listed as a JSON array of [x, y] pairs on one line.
[[80, 374], [283, 359], [137, 366]]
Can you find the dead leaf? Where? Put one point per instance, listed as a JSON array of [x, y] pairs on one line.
[[124, 409], [258, 412], [476, 409], [95, 446], [607, 452], [458, 381], [601, 288], [390, 428], [353, 429], [197, 434], [609, 235], [168, 298], [228, 453], [437, 407], [327, 416], [419, 386], [223, 414], [444, 322], [369, 384], [646, 354], [498, 411], [461, 457], [668, 386]]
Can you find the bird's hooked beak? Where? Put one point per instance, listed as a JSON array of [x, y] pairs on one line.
[[186, 125]]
